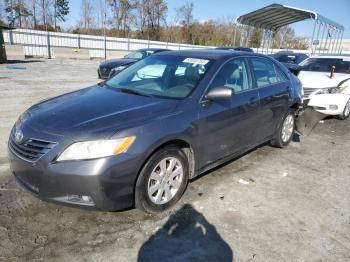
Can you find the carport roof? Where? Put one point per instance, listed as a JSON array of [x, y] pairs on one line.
[[276, 16]]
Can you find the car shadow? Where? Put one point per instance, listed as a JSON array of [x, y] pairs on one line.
[[13, 62], [296, 138], [186, 236]]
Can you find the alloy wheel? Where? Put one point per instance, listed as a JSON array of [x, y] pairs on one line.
[[287, 128], [165, 180]]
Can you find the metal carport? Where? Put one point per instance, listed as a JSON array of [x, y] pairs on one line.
[[327, 34]]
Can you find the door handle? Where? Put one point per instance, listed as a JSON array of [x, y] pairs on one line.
[[288, 88]]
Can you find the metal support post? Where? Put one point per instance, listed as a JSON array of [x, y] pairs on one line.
[[320, 47], [313, 35]]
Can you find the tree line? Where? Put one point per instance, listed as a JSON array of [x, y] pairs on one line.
[[144, 19]]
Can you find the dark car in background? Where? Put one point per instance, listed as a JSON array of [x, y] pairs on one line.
[[290, 57], [235, 48], [111, 67], [291, 60], [139, 137]]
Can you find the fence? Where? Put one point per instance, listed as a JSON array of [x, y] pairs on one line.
[[46, 44], [42, 43]]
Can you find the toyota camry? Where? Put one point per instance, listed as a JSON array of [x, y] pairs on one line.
[[138, 138]]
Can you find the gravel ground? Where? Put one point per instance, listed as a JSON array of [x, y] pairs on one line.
[[268, 205]]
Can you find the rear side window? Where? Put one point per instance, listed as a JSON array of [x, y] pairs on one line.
[[266, 73]]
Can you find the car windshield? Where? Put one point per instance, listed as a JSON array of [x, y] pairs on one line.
[[325, 65], [161, 76], [139, 54]]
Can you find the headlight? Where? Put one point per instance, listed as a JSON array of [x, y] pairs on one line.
[[96, 149], [323, 91], [333, 90], [22, 118]]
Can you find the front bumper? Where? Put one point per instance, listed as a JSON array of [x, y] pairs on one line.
[[107, 182]]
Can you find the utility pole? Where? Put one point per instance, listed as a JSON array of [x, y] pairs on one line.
[[43, 6], [104, 29], [55, 12]]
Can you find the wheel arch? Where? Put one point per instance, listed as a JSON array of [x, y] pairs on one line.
[[180, 143]]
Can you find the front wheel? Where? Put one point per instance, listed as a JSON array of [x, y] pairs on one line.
[[284, 133], [162, 180], [346, 112]]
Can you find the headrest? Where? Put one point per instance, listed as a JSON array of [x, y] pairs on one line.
[[192, 73], [228, 70]]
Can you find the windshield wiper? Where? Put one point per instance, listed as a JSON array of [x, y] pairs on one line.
[[102, 83], [132, 91]]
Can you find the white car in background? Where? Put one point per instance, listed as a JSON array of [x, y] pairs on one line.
[[326, 84]]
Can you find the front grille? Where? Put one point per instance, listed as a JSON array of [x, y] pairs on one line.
[[31, 149], [104, 72], [308, 91]]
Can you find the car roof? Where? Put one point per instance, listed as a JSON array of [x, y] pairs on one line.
[[289, 52], [232, 48], [153, 49], [331, 56], [209, 53]]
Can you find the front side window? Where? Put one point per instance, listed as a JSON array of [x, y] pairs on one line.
[[266, 73], [163, 76], [234, 75]]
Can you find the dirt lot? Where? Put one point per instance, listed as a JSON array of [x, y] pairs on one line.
[[295, 207]]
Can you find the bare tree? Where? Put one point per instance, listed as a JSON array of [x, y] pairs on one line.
[[185, 15], [46, 13], [86, 14], [101, 13], [17, 12], [151, 16], [123, 16], [34, 10], [115, 5], [61, 10]]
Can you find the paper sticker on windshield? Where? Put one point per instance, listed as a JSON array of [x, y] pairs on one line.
[[196, 61]]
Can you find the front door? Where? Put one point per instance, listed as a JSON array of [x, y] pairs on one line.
[[228, 126]]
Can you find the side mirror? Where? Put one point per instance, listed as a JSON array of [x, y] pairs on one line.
[[219, 93], [293, 68]]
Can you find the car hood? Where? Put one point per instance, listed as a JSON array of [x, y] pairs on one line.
[[117, 62], [96, 110], [318, 80]]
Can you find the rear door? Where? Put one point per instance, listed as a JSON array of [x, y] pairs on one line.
[[227, 127], [274, 89]]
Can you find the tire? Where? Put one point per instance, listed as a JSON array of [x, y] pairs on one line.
[[285, 131], [346, 113], [152, 200]]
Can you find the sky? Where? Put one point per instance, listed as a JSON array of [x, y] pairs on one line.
[[336, 10]]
